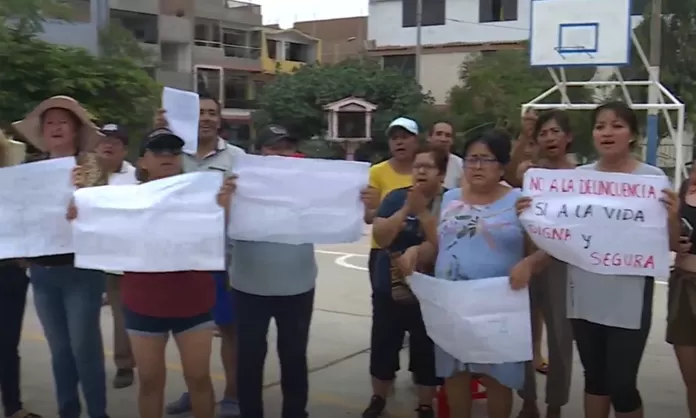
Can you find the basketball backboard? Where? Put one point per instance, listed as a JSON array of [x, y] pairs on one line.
[[566, 33]]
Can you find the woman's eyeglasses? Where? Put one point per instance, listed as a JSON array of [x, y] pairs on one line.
[[475, 161]]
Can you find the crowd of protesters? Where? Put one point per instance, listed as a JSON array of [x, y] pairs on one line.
[[452, 217]]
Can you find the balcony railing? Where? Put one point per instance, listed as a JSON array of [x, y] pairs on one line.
[[232, 51], [237, 51]]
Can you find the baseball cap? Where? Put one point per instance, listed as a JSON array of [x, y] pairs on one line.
[[407, 124], [115, 131], [272, 134], [161, 139]]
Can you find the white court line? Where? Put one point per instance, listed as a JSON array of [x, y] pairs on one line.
[[343, 256]]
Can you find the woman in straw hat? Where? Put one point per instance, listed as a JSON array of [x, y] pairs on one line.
[[68, 299], [13, 295]]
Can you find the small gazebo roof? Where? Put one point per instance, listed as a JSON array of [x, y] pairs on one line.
[[350, 102]]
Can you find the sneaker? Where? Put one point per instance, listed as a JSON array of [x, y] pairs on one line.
[[23, 413], [228, 408], [375, 408], [425, 411], [180, 406], [124, 378]]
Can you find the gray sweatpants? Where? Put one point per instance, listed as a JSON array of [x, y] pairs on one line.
[[548, 293]]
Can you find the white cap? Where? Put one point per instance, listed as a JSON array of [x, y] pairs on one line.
[[409, 125]]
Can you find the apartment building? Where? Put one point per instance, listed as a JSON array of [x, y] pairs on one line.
[[453, 31], [211, 45], [341, 38], [285, 50]]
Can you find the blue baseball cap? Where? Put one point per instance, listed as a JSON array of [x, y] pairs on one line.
[[409, 125]]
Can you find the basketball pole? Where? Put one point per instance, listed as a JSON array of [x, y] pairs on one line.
[[419, 38], [652, 126]]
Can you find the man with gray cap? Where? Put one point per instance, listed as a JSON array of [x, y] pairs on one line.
[[273, 281]]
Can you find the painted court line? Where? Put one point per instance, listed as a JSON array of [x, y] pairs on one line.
[[342, 259]]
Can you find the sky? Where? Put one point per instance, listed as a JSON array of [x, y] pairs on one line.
[[286, 12]]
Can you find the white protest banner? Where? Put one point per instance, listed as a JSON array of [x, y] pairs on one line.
[[173, 224], [476, 321], [183, 112], [33, 203], [297, 200], [605, 223]]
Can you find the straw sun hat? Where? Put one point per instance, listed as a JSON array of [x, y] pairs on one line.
[[11, 152], [30, 127]]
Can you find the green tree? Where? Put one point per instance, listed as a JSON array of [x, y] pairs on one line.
[[112, 89], [27, 16], [494, 86], [296, 100], [678, 57]]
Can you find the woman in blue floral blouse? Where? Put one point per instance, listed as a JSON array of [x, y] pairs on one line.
[[480, 237]]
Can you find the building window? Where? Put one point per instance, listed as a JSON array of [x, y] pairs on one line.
[[497, 10], [144, 27], [207, 33], [405, 64], [296, 52], [236, 90], [433, 13], [272, 47], [209, 81]]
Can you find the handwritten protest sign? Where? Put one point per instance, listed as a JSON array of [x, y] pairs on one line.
[[33, 202], [173, 224], [298, 201], [606, 223], [476, 321]]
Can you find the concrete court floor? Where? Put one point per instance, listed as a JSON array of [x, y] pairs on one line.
[[339, 354]]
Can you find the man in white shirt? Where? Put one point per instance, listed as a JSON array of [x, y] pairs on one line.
[[111, 151], [441, 136]]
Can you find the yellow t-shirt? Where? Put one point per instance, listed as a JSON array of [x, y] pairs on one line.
[[385, 179]]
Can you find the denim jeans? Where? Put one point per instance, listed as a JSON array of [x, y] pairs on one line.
[[68, 302], [13, 297], [293, 315]]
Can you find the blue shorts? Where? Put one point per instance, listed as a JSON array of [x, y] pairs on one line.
[[153, 326], [223, 311]]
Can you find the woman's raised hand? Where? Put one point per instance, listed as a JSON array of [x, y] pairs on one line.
[[522, 204], [160, 119], [78, 177], [670, 199]]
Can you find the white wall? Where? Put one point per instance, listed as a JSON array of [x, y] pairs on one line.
[[462, 25], [439, 72], [384, 25], [83, 35]]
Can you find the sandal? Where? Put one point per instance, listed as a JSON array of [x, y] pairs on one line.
[[544, 368], [529, 411], [23, 413]]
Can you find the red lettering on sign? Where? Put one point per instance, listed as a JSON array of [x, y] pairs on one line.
[[617, 189], [640, 261], [556, 234], [535, 183]]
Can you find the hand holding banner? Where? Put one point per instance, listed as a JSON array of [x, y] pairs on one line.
[[605, 223]]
